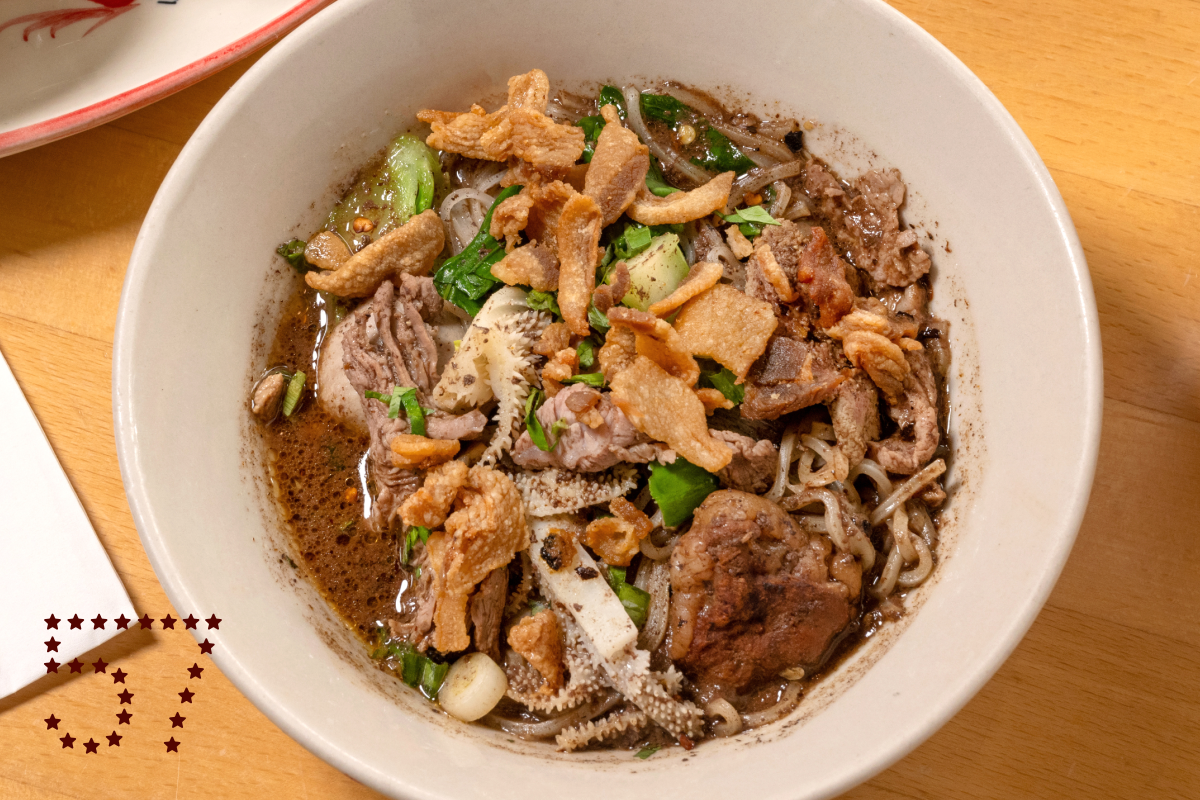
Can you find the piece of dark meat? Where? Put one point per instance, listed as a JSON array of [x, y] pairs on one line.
[[791, 374], [487, 612], [911, 447], [754, 462], [388, 344], [751, 595], [584, 448], [855, 415], [821, 279], [865, 222]]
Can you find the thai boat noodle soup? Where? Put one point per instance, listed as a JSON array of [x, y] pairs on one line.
[[610, 420]]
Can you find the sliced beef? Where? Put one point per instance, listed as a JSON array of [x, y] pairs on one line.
[[751, 595], [582, 447], [487, 612], [855, 415], [865, 222], [915, 412], [754, 462], [791, 374], [821, 278], [388, 344]]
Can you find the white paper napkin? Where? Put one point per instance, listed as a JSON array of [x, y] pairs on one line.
[[51, 563]]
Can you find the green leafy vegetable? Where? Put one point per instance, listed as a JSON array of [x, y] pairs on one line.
[[655, 182], [595, 379], [752, 214], [411, 666], [394, 404], [635, 601], [722, 155], [294, 392], [611, 95], [406, 398], [591, 132], [678, 488], [403, 185], [586, 352], [293, 253], [724, 382], [543, 301], [648, 751], [597, 320], [662, 107], [466, 279], [536, 432], [415, 533]]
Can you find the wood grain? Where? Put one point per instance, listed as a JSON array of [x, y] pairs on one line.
[[1100, 700]]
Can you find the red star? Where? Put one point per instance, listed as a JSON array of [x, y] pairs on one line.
[[194, 670], [52, 645], [76, 665], [206, 647], [186, 696], [125, 696], [90, 745], [52, 666], [189, 622], [114, 739], [123, 622], [214, 622], [100, 666], [177, 721], [98, 622], [145, 621], [68, 741], [76, 622], [124, 717], [168, 622], [172, 745], [51, 622], [52, 722], [119, 676]]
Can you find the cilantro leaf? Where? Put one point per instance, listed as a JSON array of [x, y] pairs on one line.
[[611, 95], [724, 382]]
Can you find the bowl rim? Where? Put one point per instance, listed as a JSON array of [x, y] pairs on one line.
[[983, 667]]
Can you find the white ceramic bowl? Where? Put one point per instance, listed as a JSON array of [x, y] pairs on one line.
[[203, 287]]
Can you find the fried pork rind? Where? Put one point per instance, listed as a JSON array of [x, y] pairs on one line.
[[411, 248], [430, 505], [326, 250], [656, 340], [765, 258], [617, 539], [410, 451], [520, 128], [548, 202], [510, 218], [700, 278], [618, 352], [881, 359], [680, 207], [618, 168], [556, 336], [539, 639], [529, 265], [738, 243], [713, 399], [485, 531], [728, 326], [666, 409], [578, 238]]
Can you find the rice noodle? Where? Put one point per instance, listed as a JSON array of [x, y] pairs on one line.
[[555, 725], [887, 579], [928, 529], [656, 553], [731, 721], [786, 445], [901, 534], [462, 231], [657, 582], [789, 700], [783, 196], [917, 575], [773, 148], [669, 158], [490, 179], [910, 487], [871, 468], [846, 541], [759, 177], [799, 209]]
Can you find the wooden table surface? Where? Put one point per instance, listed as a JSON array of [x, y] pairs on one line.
[[1101, 699]]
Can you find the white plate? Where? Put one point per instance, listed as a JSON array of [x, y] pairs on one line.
[[203, 285], [68, 65]]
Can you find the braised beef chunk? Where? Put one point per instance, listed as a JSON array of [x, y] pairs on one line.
[[821, 278], [791, 374], [752, 595], [855, 415], [865, 222], [754, 462], [911, 447], [487, 611]]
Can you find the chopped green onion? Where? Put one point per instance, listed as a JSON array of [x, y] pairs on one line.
[[394, 405], [293, 253], [294, 390], [595, 379], [557, 429], [466, 279], [432, 676], [415, 533], [678, 488], [752, 214], [648, 751], [412, 665], [543, 301], [725, 382], [412, 407], [636, 240], [586, 352], [635, 601], [536, 432]]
